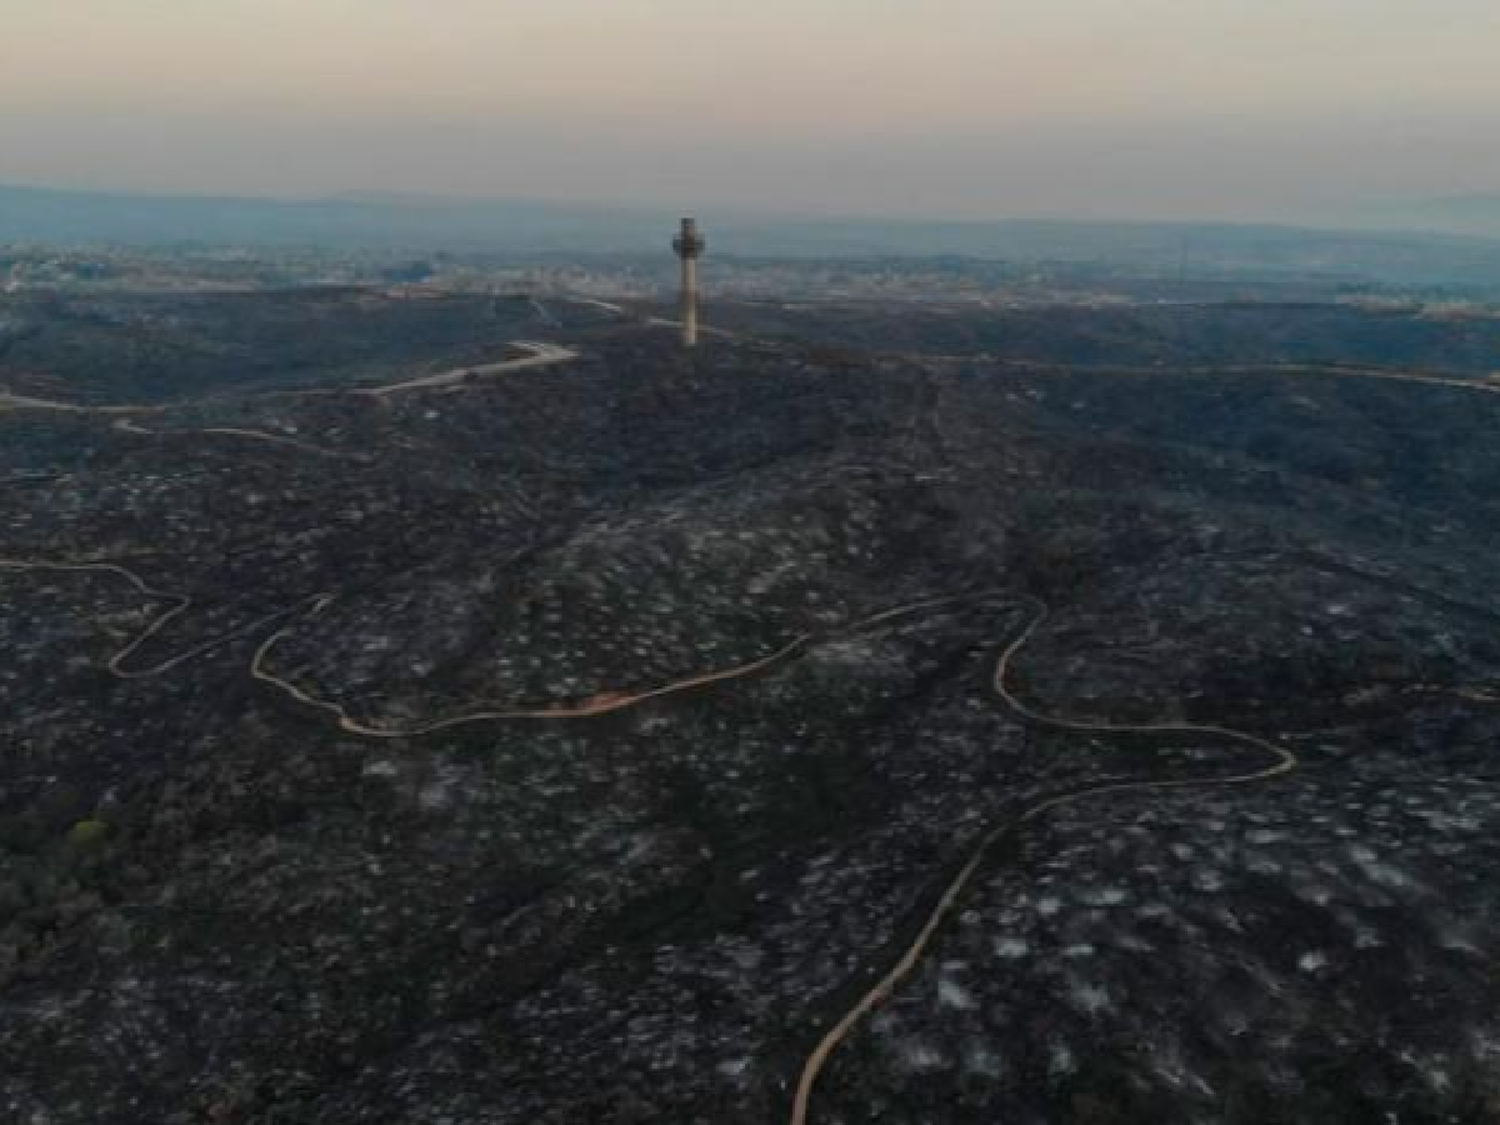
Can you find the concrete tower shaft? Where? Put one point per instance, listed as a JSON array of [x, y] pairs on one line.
[[690, 246]]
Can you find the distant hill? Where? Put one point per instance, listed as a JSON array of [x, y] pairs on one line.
[[45, 215], [1231, 249], [1477, 215], [540, 228]]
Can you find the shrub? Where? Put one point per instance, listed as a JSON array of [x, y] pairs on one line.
[[88, 834]]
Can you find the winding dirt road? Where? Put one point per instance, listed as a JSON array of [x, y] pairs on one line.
[[126, 426], [181, 604], [15, 402], [1281, 763], [542, 355], [604, 703]]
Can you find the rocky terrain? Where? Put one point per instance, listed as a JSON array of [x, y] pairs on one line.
[[862, 719]]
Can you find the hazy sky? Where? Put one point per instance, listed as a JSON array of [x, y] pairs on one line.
[[1136, 108]]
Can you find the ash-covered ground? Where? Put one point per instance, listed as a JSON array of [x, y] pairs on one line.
[[581, 735]]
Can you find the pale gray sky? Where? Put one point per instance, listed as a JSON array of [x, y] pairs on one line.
[[967, 108]]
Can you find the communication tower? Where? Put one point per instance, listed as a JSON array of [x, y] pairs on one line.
[[690, 246]]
